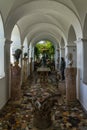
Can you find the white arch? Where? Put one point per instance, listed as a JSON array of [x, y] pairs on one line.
[[71, 35], [54, 8], [85, 27], [45, 36], [49, 28], [16, 42], [2, 41]]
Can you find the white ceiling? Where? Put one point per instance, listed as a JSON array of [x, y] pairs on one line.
[[34, 17]]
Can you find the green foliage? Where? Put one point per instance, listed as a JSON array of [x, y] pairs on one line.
[[47, 47]]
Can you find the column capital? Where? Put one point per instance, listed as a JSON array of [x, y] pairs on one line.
[[70, 45], [84, 39], [7, 41], [80, 40], [62, 48]]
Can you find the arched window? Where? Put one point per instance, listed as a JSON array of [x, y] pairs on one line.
[[2, 41]]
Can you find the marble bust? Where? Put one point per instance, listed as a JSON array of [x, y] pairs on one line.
[[70, 59]]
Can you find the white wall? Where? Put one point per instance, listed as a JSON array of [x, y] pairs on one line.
[[3, 92], [81, 87], [83, 94]]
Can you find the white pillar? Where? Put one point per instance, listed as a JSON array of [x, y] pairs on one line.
[[2, 71], [56, 59], [7, 65], [28, 64], [84, 60], [79, 67], [71, 48], [62, 52]]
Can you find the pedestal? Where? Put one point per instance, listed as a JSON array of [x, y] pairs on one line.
[[25, 69], [70, 84], [31, 66], [15, 82]]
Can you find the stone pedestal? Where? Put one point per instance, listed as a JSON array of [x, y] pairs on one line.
[[31, 66], [15, 82], [25, 69], [70, 84]]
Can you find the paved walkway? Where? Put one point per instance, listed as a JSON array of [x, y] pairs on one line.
[[19, 115]]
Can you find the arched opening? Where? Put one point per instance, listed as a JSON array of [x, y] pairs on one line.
[[71, 35], [2, 41], [44, 54], [71, 47], [16, 43]]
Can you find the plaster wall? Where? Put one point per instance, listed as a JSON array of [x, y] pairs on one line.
[[83, 94], [81, 87], [3, 92]]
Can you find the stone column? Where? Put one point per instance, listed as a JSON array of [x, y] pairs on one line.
[[84, 59], [7, 64], [28, 71], [62, 52], [70, 84], [71, 48], [79, 44], [25, 69]]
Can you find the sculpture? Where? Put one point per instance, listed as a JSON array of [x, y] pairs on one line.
[[70, 59], [17, 54], [16, 77]]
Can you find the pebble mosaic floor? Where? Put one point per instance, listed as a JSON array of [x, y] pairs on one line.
[[19, 115]]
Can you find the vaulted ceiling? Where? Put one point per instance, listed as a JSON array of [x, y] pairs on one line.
[[43, 18]]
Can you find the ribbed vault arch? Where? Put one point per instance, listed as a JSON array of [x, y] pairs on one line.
[[49, 8]]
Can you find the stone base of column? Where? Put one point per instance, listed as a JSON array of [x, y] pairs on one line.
[[15, 82], [70, 85]]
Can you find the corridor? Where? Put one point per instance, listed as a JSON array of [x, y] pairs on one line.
[[19, 115]]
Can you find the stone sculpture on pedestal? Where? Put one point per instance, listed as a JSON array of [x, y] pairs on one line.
[[16, 77]]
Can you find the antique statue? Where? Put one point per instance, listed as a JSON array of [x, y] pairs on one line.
[[70, 59]]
